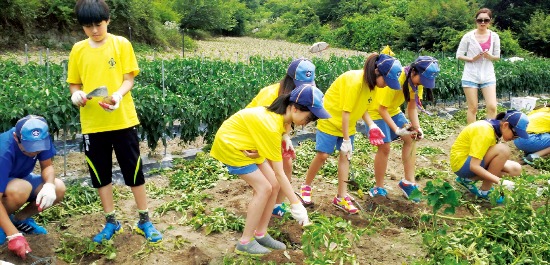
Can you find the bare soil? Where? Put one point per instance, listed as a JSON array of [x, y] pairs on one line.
[[395, 242]]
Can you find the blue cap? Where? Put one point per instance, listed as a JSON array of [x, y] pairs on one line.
[[33, 133], [312, 98], [390, 69], [428, 68], [302, 72], [518, 121]]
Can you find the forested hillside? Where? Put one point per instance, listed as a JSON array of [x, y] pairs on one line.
[[435, 25]]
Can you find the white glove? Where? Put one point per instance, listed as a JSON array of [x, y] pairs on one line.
[[419, 134], [79, 98], [403, 131], [46, 196], [116, 97], [288, 142], [299, 213], [347, 148], [510, 185]]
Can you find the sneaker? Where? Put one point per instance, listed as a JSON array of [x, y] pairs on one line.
[[28, 226], [108, 232], [530, 158], [470, 185], [270, 243], [378, 191], [500, 199], [252, 248], [345, 204], [149, 231], [280, 210], [305, 194], [2, 237], [407, 189]]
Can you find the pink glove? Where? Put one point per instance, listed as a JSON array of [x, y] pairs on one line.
[[376, 136], [19, 245], [287, 153]]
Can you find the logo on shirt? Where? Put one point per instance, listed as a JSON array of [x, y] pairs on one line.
[[308, 73], [112, 62]]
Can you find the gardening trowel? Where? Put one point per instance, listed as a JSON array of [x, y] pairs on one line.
[[98, 92]]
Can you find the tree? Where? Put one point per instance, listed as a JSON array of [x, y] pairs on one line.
[[208, 15]]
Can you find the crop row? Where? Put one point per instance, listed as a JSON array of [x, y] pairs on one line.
[[200, 94]]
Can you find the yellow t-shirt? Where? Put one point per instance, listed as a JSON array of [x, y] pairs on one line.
[[392, 99], [104, 66], [474, 140], [249, 129], [265, 97], [347, 93], [539, 121]]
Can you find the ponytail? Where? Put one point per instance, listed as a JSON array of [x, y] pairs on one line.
[[500, 116], [369, 71], [286, 85], [279, 105]]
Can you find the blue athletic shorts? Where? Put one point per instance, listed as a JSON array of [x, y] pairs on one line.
[[399, 120], [465, 172], [35, 181], [534, 143], [477, 85], [327, 143], [242, 170]]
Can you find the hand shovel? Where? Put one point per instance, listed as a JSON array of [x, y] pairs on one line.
[[353, 184], [98, 92]]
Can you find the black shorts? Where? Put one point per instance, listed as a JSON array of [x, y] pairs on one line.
[[98, 148]]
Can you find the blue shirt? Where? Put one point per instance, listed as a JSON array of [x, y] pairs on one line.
[[14, 163]]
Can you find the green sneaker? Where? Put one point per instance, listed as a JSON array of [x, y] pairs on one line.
[[470, 185]]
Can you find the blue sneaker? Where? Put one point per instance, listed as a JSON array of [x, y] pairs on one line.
[[500, 199], [378, 191], [470, 185], [108, 232], [407, 189], [2, 237], [149, 231], [28, 226], [280, 210]]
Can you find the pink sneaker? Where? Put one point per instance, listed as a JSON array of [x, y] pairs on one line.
[[305, 194], [345, 204]]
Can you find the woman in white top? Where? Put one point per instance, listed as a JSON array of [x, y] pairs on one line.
[[479, 48]]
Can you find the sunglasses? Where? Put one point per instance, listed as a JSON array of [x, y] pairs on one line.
[[483, 20], [512, 127]]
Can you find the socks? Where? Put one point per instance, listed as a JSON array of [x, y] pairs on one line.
[[408, 182], [259, 235], [143, 216], [110, 217], [244, 242]]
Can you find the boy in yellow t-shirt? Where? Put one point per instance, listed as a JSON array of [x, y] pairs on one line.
[[477, 155], [538, 143], [347, 101], [108, 123], [258, 131], [386, 113], [300, 72]]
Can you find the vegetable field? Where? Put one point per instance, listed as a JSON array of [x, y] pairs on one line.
[[200, 208]]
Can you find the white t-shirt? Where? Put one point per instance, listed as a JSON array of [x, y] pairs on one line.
[[482, 70]]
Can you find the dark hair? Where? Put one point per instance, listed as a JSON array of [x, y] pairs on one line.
[[500, 116], [283, 101], [484, 10], [91, 11], [369, 71], [286, 85], [429, 92]]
